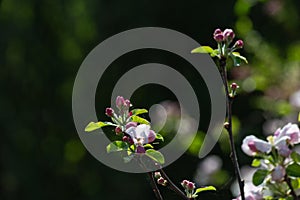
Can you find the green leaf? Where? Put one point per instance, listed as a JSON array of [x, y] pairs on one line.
[[139, 120], [159, 137], [206, 188], [155, 155], [295, 183], [215, 52], [139, 111], [293, 170], [203, 49], [295, 156], [237, 58], [96, 125], [259, 176], [117, 146], [255, 163], [148, 146]]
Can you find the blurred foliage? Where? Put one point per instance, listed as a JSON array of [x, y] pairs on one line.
[[43, 43]]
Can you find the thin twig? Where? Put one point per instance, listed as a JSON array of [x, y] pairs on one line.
[[172, 186], [229, 101], [154, 186], [288, 181]]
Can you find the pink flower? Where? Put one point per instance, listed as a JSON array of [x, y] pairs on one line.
[[278, 173], [130, 124], [140, 134], [282, 145], [252, 145], [290, 130]]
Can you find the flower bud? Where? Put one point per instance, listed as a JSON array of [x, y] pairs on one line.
[[219, 37], [130, 114], [125, 138], [234, 86], [140, 149], [118, 130], [120, 102], [278, 173], [127, 103], [228, 35], [191, 186], [161, 181], [151, 136], [109, 112], [157, 175], [239, 44], [184, 183], [217, 31]]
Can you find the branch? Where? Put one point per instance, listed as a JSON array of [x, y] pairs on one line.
[[228, 126], [288, 181], [154, 186]]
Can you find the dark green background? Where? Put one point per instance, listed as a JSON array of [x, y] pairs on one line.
[[42, 45]]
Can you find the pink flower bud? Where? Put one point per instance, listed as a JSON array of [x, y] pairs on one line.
[[151, 136], [219, 37], [239, 44], [191, 186], [120, 102], [228, 35], [278, 173], [184, 183], [234, 86], [140, 149], [217, 31], [125, 138], [157, 175], [127, 103], [109, 112], [130, 124], [118, 130], [130, 113], [161, 181]]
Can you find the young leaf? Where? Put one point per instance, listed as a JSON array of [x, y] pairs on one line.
[[215, 53], [148, 146], [295, 156], [293, 170], [255, 163], [259, 176], [238, 55], [96, 125], [203, 49], [155, 155], [117, 146], [139, 120], [206, 188], [159, 137], [139, 111]]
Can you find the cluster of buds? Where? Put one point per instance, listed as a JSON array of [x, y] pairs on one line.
[[189, 187], [227, 36], [160, 179]]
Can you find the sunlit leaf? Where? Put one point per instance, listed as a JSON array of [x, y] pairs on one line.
[[203, 49], [159, 137], [139, 120], [96, 125], [117, 146], [259, 176], [293, 170], [255, 163], [155, 155], [139, 111], [148, 146], [206, 188]]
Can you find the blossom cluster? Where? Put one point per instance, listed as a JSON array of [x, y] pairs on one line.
[[278, 164]]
